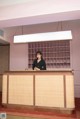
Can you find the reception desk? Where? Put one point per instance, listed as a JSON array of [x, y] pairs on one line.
[[39, 89]]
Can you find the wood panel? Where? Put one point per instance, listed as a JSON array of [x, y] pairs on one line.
[[49, 91], [70, 91], [0, 82], [4, 89], [21, 89]]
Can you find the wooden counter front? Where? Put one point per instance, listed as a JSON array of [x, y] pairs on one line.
[[49, 89]]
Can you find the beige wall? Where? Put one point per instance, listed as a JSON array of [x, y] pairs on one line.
[[18, 57], [19, 52]]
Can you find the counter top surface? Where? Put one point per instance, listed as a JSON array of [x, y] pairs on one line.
[[41, 71]]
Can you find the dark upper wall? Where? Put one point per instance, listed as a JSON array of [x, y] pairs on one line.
[[4, 58]]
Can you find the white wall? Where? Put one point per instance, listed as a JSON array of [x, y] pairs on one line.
[[18, 57], [19, 52]]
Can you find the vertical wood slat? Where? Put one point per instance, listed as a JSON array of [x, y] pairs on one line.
[[64, 83], [33, 90], [7, 88]]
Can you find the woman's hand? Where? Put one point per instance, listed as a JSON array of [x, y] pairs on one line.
[[36, 69]]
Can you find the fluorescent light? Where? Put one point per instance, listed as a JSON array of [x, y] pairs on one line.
[[49, 36]]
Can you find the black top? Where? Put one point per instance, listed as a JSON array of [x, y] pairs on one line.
[[41, 65]]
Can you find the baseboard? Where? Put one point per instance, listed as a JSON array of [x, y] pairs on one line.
[[39, 109]]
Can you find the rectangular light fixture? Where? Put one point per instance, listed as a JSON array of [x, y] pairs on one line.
[[48, 36]]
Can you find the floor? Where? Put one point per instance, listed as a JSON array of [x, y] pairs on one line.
[[20, 117], [34, 114]]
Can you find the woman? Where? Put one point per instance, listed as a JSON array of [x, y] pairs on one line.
[[39, 63]]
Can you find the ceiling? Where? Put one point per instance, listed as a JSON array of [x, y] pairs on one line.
[[26, 12], [12, 2]]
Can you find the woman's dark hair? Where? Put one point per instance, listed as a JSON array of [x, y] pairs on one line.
[[39, 52]]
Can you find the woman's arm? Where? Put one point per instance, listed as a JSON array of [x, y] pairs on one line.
[[44, 66]]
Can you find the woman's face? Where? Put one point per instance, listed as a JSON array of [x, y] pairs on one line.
[[38, 55]]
